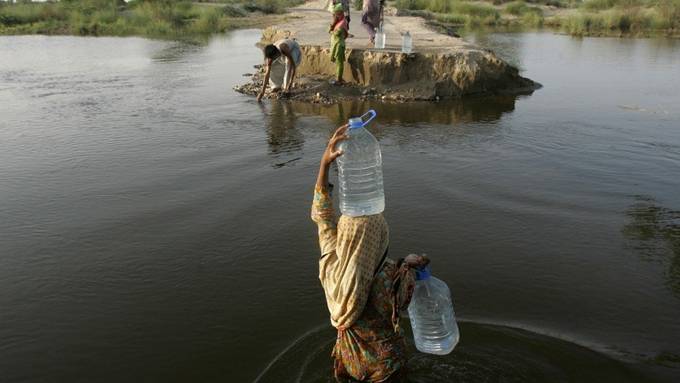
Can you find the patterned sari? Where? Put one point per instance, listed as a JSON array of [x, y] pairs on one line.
[[365, 291]]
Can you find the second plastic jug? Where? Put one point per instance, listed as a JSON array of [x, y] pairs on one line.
[[360, 170], [406, 43], [435, 330], [380, 39]]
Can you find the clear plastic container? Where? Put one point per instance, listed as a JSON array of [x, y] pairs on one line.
[[360, 170], [406, 43], [380, 39], [435, 330]]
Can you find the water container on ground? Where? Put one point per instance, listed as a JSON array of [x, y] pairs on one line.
[[406, 43], [360, 170], [435, 330], [380, 39]]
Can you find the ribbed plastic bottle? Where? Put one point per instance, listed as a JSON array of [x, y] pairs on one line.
[[380, 39], [435, 330], [406, 43], [360, 170]]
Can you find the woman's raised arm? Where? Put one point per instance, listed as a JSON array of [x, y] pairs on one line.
[[329, 155], [322, 205]]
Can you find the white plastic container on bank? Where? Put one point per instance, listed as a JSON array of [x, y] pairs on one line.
[[406, 43], [380, 39], [435, 330], [360, 170]]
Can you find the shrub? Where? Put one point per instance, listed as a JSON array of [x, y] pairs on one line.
[[476, 10], [532, 19], [667, 15], [453, 19], [22, 13], [411, 4], [439, 6], [232, 10], [454, 11], [596, 5], [519, 8], [207, 22]]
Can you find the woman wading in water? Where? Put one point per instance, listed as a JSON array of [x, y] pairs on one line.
[[365, 290]]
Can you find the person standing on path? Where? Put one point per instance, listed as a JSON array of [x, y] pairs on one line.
[[281, 60], [330, 5], [370, 18], [339, 31], [365, 289]]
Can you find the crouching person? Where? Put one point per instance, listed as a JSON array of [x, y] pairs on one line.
[[281, 60]]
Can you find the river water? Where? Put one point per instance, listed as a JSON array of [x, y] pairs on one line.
[[155, 224]]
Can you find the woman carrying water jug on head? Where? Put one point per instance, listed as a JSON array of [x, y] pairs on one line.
[[365, 290]]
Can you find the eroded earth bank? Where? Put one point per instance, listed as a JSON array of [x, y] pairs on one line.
[[440, 66]]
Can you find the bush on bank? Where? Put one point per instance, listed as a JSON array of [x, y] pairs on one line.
[[587, 17], [622, 17]]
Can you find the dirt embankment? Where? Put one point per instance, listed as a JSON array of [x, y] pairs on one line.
[[440, 67]]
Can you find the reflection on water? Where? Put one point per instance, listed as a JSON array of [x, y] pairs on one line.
[[284, 139], [486, 353], [655, 234], [176, 51], [475, 109], [285, 128], [286, 122]]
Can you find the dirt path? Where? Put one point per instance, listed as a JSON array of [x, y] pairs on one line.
[[309, 22]]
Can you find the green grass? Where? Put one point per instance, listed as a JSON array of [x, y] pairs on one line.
[[454, 11], [527, 15], [520, 8], [263, 6], [554, 3], [153, 18], [623, 17], [589, 17]]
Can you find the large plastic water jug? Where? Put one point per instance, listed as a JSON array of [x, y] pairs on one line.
[[435, 330], [360, 170], [406, 43], [380, 39]]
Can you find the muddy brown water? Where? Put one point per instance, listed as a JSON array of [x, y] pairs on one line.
[[155, 224]]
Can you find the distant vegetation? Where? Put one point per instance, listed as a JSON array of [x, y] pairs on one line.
[[588, 17], [623, 17], [182, 18], [154, 18]]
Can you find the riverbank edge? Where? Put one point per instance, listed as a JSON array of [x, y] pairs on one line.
[[391, 75]]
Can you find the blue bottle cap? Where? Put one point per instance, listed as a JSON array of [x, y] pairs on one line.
[[355, 123], [359, 122], [423, 273]]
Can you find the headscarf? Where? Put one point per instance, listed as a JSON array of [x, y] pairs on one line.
[[347, 273], [339, 21]]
